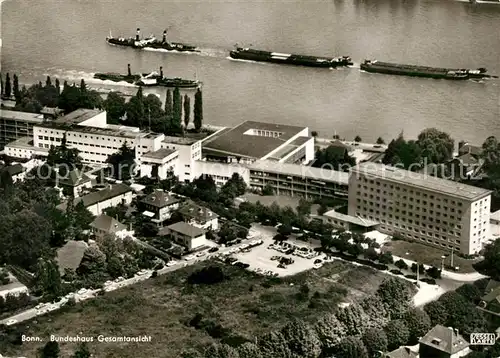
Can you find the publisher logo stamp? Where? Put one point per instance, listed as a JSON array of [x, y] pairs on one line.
[[483, 339]]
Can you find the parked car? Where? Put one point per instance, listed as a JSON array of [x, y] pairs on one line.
[[213, 249]]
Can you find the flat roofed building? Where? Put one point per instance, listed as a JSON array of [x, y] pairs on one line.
[[163, 160], [298, 180], [88, 131], [433, 211], [348, 222], [15, 125], [251, 141], [24, 148]]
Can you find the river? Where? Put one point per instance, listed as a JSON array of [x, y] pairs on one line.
[[66, 39]]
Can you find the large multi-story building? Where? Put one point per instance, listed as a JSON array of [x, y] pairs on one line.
[[15, 125], [433, 211]]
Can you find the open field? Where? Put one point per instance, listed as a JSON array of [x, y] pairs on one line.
[[246, 304], [428, 255]]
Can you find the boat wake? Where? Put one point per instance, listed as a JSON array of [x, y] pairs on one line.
[[207, 52], [73, 76], [481, 2]]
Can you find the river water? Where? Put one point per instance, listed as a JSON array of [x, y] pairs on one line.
[[66, 39]]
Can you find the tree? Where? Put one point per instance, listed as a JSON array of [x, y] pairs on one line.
[[234, 187], [437, 312], [267, 190], [169, 106], [330, 331], [371, 254], [93, 265], [304, 207], [333, 157], [386, 258], [396, 296], [8, 86], [249, 350], [375, 340], [358, 139], [191, 353], [397, 334], [433, 272], [50, 350], [273, 344], [58, 87], [177, 109], [436, 146], [17, 92], [82, 351], [402, 153], [115, 107], [401, 264], [352, 347], [187, 110], [1, 85], [314, 134], [135, 110], [354, 318], [205, 188], [490, 266], [302, 339], [462, 314], [418, 323], [470, 292], [380, 141], [122, 163], [376, 311], [198, 110]]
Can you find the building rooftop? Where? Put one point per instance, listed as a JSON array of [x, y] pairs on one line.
[[420, 180], [283, 152], [186, 229], [302, 171], [402, 352], [74, 178], [78, 116], [25, 143], [21, 116], [159, 199], [70, 255], [180, 140], [197, 213], [472, 149], [244, 140], [445, 339], [100, 196], [350, 219], [108, 224], [110, 131], [13, 169], [159, 154]]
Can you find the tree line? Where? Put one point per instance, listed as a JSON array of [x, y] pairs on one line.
[[148, 112]]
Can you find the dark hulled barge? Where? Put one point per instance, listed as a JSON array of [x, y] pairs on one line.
[[290, 59], [148, 79], [423, 71], [150, 42]]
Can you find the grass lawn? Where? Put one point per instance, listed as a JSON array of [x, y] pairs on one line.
[[248, 304], [428, 255]]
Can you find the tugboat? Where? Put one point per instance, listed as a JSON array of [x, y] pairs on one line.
[[152, 79], [290, 59], [423, 71], [150, 42]]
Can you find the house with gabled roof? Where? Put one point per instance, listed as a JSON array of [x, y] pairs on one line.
[[106, 225], [73, 182], [402, 352], [200, 216], [443, 342], [159, 206], [491, 298]]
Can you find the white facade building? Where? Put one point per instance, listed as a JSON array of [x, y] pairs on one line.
[[429, 210]]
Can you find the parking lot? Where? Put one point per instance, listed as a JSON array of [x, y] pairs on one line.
[[259, 259]]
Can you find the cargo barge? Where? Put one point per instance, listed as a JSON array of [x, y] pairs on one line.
[[290, 59], [150, 42], [423, 71], [152, 79]]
